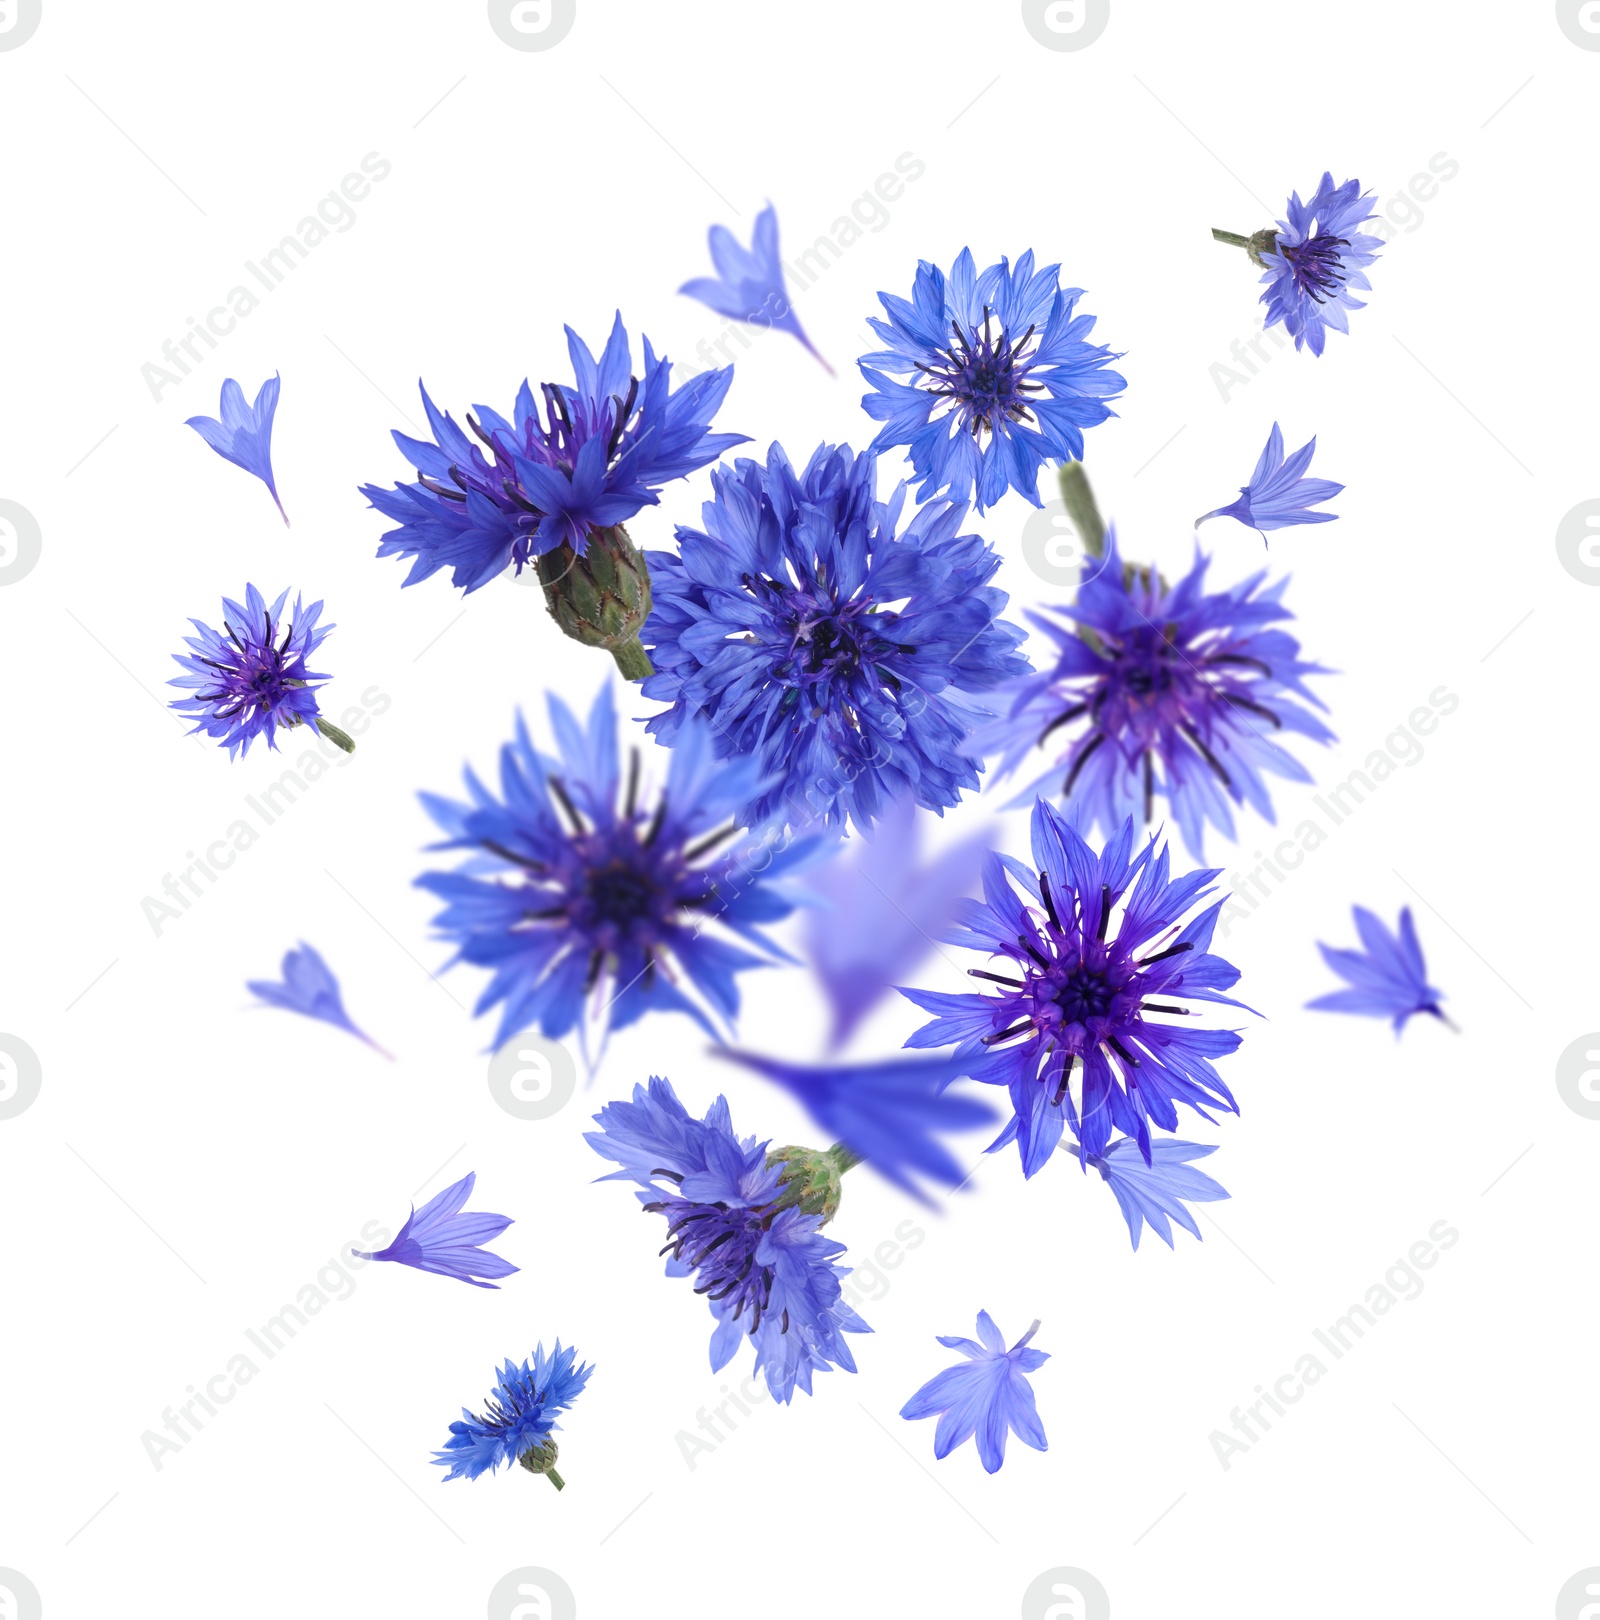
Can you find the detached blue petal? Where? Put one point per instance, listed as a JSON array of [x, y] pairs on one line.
[[310, 989], [1278, 496], [1389, 977], [749, 286], [987, 1397], [1157, 1192], [439, 1238], [244, 435]]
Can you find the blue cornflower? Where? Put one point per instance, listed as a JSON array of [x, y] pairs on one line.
[[987, 1395], [1278, 496], [1155, 1191], [839, 656], [1079, 988], [244, 435], [580, 890], [734, 1225], [517, 1418], [998, 357], [602, 450], [246, 681], [889, 1114], [749, 286], [1164, 690], [439, 1238], [884, 905], [1315, 259], [1389, 981], [309, 988]]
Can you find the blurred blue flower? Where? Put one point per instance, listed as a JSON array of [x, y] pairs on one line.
[[309, 988], [244, 435], [987, 1396], [890, 1114], [754, 1255], [775, 625], [517, 1418], [1317, 260], [1078, 989], [579, 890], [603, 449], [749, 286], [439, 1238], [999, 377], [883, 908], [1158, 690], [1389, 981], [1155, 1191], [245, 681], [1278, 496]]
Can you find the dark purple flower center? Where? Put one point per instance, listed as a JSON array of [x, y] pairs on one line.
[[570, 423], [1150, 687], [1078, 991], [260, 677], [820, 638], [983, 374], [1316, 266], [719, 1244]]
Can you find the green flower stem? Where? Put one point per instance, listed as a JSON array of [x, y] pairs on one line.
[[555, 1479], [338, 738], [844, 1158], [1078, 499], [633, 660], [1232, 238]]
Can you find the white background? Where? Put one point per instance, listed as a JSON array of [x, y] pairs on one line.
[[190, 1164]]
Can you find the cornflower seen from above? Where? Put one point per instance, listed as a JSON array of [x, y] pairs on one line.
[[998, 377], [843, 654], [590, 900], [1162, 691], [245, 682], [1095, 957]]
